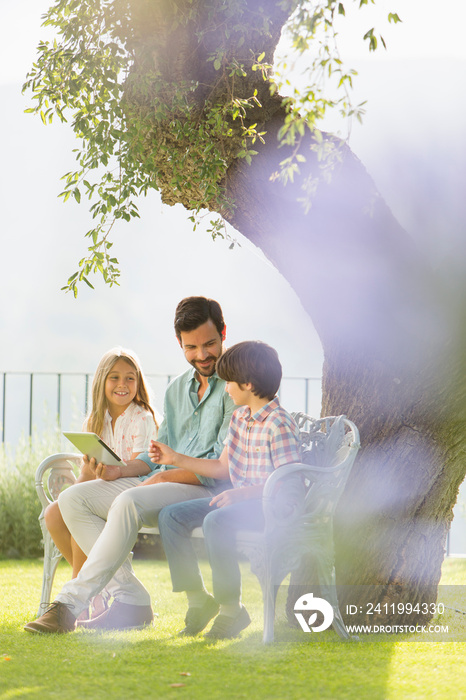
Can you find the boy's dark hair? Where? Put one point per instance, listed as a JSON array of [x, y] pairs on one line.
[[252, 362], [192, 312]]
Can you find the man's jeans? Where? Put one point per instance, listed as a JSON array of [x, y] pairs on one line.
[[220, 526]]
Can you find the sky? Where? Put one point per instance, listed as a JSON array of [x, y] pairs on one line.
[[412, 142]]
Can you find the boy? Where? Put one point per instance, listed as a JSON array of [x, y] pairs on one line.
[[262, 437]]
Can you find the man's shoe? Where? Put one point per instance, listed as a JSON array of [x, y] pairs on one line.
[[227, 627], [120, 616], [198, 618], [57, 619]]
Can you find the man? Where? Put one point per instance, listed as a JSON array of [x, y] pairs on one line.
[[105, 515]]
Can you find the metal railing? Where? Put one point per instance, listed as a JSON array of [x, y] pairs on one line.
[[31, 400]]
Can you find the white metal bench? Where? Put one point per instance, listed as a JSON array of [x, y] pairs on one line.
[[299, 502]]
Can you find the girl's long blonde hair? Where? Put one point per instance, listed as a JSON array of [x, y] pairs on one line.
[[95, 419]]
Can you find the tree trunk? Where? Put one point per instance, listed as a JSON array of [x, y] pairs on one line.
[[392, 365]]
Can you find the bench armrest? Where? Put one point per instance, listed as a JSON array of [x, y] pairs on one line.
[[54, 473], [301, 491]]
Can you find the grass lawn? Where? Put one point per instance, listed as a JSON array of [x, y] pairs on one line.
[[155, 663]]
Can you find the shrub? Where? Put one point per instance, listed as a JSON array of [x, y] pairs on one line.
[[20, 533]]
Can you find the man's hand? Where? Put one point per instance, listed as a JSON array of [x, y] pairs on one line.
[[161, 454], [156, 478], [107, 472]]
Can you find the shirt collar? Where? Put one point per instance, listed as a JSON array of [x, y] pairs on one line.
[[128, 409], [263, 412], [191, 376]]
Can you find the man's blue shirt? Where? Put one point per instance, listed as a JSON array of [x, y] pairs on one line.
[[192, 427]]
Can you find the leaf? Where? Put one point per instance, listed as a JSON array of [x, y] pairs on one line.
[[372, 39]]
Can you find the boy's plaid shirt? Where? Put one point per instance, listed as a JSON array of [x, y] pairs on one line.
[[260, 443]]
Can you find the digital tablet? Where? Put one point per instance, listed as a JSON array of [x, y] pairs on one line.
[[92, 445]]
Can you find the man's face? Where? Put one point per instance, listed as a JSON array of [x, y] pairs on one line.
[[202, 347]]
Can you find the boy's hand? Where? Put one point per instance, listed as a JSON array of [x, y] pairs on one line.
[[161, 454], [227, 498]]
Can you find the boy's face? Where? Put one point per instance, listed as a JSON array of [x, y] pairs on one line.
[[239, 393], [202, 347]]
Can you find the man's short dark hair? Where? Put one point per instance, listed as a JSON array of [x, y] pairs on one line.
[[252, 362], [192, 312]]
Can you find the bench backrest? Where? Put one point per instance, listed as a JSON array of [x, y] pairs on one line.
[[330, 445]]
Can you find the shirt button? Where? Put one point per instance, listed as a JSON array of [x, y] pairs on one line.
[[195, 413]]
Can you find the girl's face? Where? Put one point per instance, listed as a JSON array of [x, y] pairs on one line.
[[121, 386]]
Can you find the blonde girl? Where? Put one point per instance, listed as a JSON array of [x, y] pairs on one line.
[[122, 416]]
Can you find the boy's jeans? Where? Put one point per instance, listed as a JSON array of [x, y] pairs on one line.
[[220, 525]]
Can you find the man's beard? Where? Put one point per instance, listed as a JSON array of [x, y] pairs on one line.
[[204, 372]]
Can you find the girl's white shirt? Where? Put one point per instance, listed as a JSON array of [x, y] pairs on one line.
[[134, 429]]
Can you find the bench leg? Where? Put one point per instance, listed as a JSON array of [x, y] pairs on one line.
[[51, 558], [267, 564], [329, 592], [269, 596]]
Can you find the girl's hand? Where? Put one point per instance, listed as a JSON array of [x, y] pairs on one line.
[[107, 472], [161, 454], [86, 473]]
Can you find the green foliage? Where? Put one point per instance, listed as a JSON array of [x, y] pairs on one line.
[[168, 95], [20, 533], [124, 141], [81, 75]]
